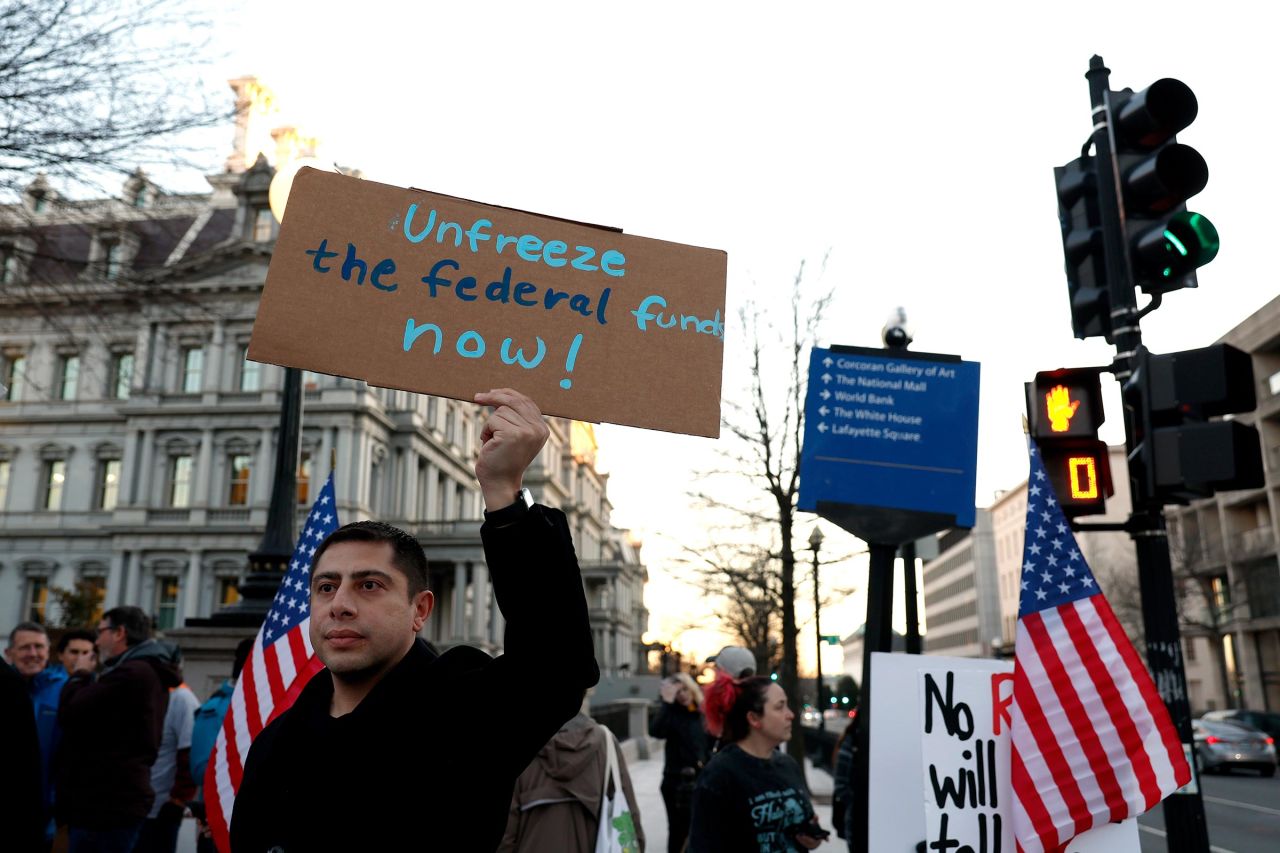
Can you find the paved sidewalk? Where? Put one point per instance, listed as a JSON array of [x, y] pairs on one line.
[[646, 777]]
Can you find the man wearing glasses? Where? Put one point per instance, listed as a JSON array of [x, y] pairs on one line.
[[111, 727]]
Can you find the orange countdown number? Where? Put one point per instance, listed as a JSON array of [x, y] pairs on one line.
[[1088, 466]]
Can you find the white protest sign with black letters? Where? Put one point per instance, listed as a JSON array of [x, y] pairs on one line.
[[940, 757]]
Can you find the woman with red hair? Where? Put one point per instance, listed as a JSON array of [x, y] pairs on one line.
[[751, 798]]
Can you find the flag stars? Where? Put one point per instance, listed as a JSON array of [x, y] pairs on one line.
[[1062, 587], [1041, 532], [1041, 595], [1040, 475], [1047, 516], [1034, 490], [1057, 544], [1053, 561], [1028, 566], [1034, 548], [1062, 528], [1087, 581], [1047, 577], [1069, 572]]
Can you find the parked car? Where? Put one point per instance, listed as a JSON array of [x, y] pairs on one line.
[[1263, 721], [1227, 746]]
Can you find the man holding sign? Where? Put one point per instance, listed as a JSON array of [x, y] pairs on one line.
[[393, 747]]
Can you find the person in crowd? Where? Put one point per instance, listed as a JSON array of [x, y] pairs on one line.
[[383, 732], [23, 826], [842, 797], [751, 796], [28, 651], [112, 724], [171, 775], [204, 734], [732, 662], [555, 807], [679, 722], [72, 646]]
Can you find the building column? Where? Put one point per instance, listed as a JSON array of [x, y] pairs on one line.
[[191, 588], [115, 580], [144, 474], [479, 600], [128, 466], [409, 485], [497, 624], [217, 355], [458, 625], [260, 478], [204, 471], [133, 572], [429, 511]]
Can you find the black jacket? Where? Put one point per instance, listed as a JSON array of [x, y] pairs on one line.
[[687, 741], [429, 759], [22, 814], [111, 730]]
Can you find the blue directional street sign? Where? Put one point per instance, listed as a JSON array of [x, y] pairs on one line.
[[893, 430]]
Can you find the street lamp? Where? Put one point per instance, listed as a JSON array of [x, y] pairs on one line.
[[815, 544]]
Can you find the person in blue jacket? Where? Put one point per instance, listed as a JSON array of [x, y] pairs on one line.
[[28, 653]]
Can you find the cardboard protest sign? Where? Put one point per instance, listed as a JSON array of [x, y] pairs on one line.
[[941, 755], [409, 289]]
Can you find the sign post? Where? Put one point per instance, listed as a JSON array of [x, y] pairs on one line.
[[890, 454]]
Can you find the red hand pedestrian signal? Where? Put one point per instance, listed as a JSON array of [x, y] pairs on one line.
[[1060, 408]]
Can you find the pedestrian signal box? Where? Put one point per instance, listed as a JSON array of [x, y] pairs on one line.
[[1064, 411]]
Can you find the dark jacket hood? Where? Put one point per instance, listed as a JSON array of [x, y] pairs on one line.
[[164, 657]]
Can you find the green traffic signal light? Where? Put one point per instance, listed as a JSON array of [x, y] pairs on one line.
[[1184, 243]]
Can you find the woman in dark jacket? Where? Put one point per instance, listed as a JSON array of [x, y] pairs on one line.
[[752, 798], [679, 722]]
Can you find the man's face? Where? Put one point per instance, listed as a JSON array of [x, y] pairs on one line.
[[76, 650], [362, 618], [29, 652], [111, 641]]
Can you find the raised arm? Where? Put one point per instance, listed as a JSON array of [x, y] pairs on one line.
[[535, 576]]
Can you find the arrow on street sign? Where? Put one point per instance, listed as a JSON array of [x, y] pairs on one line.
[[826, 377], [827, 362], [822, 427], [826, 395], [823, 410]]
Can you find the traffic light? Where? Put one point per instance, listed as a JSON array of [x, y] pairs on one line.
[[1165, 242], [1064, 411], [1082, 248], [1182, 452]]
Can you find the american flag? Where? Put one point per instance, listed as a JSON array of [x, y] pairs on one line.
[[1092, 741], [280, 665]]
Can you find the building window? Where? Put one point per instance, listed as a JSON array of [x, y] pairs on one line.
[[112, 259], [304, 478], [121, 375], [37, 599], [180, 481], [1273, 382], [108, 483], [140, 200], [4, 483], [264, 225], [228, 591], [68, 376], [238, 493], [1189, 649], [1221, 592], [166, 602], [55, 475], [310, 380], [192, 369], [15, 377], [10, 270], [250, 371], [96, 585]]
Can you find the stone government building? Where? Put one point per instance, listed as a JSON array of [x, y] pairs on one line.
[[137, 443]]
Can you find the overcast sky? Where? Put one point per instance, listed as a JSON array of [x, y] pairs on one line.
[[914, 142]]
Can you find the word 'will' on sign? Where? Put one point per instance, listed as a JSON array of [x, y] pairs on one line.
[[423, 292]]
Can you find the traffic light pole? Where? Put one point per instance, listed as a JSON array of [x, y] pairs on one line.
[[1183, 812]]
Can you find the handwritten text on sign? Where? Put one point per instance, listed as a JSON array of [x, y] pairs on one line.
[[413, 290]]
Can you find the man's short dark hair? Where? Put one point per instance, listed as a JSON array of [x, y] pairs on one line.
[[407, 554], [134, 620], [74, 634], [35, 627]]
